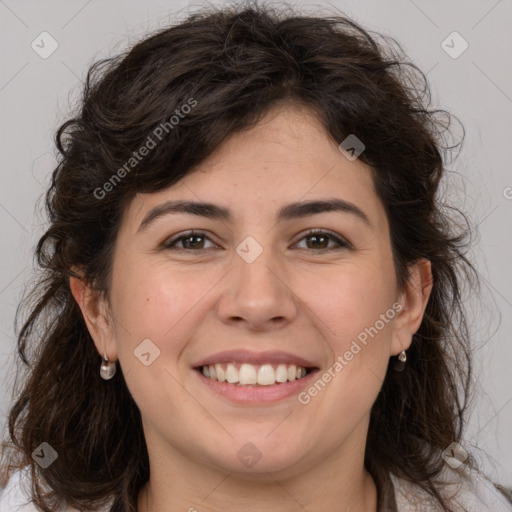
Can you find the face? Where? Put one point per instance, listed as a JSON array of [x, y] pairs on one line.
[[257, 289]]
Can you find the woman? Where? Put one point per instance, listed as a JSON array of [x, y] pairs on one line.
[[250, 293]]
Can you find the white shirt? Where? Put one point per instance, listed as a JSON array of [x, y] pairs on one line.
[[471, 493], [475, 493]]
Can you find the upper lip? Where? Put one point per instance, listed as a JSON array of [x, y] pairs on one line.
[[256, 358]]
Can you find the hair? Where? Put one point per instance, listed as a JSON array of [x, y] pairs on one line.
[[231, 65]]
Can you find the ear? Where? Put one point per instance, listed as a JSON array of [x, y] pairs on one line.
[[95, 311], [414, 300]]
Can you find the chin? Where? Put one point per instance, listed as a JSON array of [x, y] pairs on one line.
[[257, 457]]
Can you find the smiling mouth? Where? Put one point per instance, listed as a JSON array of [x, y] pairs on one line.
[[245, 374]]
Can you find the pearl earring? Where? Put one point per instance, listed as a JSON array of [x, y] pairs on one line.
[[107, 369], [399, 365]]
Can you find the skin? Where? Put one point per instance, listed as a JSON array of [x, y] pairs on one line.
[[297, 296]]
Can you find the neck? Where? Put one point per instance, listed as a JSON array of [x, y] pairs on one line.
[[334, 485]]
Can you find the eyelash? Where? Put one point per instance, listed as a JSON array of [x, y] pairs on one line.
[[342, 244]]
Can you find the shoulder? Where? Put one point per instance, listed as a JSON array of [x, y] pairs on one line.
[[16, 496], [466, 490]]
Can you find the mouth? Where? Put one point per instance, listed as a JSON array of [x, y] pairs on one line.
[[251, 378], [246, 374]]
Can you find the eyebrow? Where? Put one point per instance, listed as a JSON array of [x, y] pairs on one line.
[[287, 212]]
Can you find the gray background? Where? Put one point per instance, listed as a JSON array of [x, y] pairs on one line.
[[36, 94]]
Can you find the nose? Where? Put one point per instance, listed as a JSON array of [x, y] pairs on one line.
[[258, 295]]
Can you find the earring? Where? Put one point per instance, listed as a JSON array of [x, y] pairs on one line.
[[107, 369], [400, 364]]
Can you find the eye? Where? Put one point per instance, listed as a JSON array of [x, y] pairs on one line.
[[320, 238], [191, 239], [195, 240]]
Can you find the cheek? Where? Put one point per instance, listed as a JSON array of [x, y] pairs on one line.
[[355, 307], [360, 342], [156, 316], [153, 303], [349, 301]]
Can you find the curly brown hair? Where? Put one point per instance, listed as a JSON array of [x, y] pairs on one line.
[[236, 62]]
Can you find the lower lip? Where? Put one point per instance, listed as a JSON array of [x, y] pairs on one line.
[[254, 394]]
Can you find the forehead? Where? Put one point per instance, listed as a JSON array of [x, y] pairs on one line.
[[288, 156]]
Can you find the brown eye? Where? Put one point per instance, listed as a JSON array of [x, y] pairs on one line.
[[190, 241], [317, 240], [321, 239]]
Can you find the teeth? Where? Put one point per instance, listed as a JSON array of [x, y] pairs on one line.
[[231, 374], [266, 375], [281, 373], [249, 374], [221, 374]]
